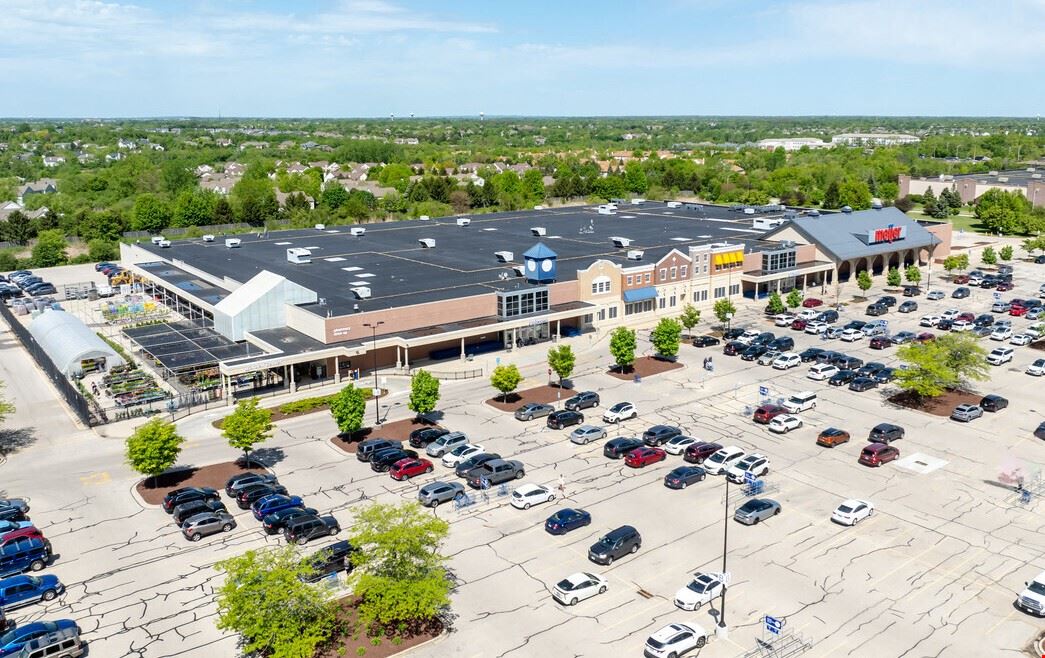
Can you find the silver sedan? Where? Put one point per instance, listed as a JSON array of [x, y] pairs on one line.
[[755, 510], [587, 433]]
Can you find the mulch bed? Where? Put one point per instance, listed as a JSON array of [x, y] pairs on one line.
[[541, 395], [346, 644], [278, 415], [395, 431], [215, 475], [938, 406], [645, 366]]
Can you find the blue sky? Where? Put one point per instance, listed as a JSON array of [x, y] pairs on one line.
[[351, 58]]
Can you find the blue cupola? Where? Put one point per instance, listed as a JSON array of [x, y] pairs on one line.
[[540, 262]]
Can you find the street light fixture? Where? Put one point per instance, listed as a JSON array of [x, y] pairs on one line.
[[376, 391], [721, 630]]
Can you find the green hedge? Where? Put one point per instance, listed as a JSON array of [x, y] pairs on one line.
[[305, 404], [119, 350]]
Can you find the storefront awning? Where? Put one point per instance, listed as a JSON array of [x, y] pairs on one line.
[[640, 294], [730, 258]]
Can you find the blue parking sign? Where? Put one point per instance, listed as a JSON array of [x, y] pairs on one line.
[[773, 625], [763, 390], [997, 295], [749, 477]]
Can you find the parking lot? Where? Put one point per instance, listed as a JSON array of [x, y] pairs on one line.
[[933, 572]]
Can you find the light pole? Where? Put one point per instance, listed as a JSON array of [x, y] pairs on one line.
[[721, 630], [376, 391]]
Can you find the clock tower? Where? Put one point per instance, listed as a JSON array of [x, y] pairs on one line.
[[540, 264]]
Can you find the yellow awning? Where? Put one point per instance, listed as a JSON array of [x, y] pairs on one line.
[[738, 257], [718, 259]]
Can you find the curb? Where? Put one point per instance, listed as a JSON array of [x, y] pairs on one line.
[[438, 638]]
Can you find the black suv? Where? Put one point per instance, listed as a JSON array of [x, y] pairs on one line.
[[383, 460], [304, 529], [192, 508], [557, 420], [911, 291], [733, 334], [764, 338], [330, 560], [237, 482], [617, 448], [855, 324], [810, 354], [187, 495], [615, 545], [422, 437], [830, 315], [658, 435], [877, 309], [885, 433], [461, 470], [783, 343], [248, 495], [753, 352], [366, 449], [887, 300], [705, 341], [733, 348], [275, 523], [583, 401]]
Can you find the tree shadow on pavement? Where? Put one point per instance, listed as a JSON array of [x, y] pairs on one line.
[[13, 440], [267, 456]]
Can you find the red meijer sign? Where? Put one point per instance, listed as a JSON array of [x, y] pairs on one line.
[[887, 234]]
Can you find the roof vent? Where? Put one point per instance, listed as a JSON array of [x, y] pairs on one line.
[[321, 227], [847, 209], [1035, 175], [538, 207], [1003, 179], [608, 209], [463, 221], [208, 238], [232, 243], [427, 243], [634, 254], [504, 256], [876, 204], [621, 243], [424, 218], [992, 173], [519, 270], [637, 201], [674, 204], [157, 239], [299, 255], [813, 213], [164, 243], [538, 230], [362, 292], [357, 231]]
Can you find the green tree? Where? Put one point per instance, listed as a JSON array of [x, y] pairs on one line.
[[863, 280], [49, 249], [988, 256], [153, 448], [724, 310], [334, 196], [194, 208], [8, 260], [18, 228], [913, 274], [929, 202], [533, 185], [247, 426], [1005, 253], [963, 261], [561, 360], [949, 362], [151, 214], [622, 347], [831, 196], [266, 600], [635, 177], [223, 212], [102, 250], [6, 407], [395, 175], [855, 194], [1030, 245], [689, 317], [424, 393], [399, 573], [506, 378], [794, 298], [348, 407], [893, 277], [666, 337], [177, 177], [776, 304], [1003, 212]]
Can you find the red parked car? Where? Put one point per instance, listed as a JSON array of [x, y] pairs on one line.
[[767, 412], [406, 468], [1004, 286], [640, 457], [698, 452], [812, 302], [880, 343], [28, 532], [1018, 310], [876, 454], [961, 278], [926, 336], [799, 324], [968, 317]]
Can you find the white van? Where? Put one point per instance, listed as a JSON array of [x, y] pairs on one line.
[[799, 402], [822, 371]]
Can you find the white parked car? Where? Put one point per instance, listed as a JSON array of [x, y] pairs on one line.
[[581, 585], [461, 453], [950, 314], [722, 459], [675, 640], [1021, 339], [702, 589], [822, 371], [852, 511], [678, 444], [808, 314], [748, 336], [817, 327], [1032, 599], [999, 356], [783, 319], [1001, 333], [961, 325], [756, 464], [1037, 368], [852, 335], [528, 495], [929, 320], [784, 423], [787, 360], [620, 411]]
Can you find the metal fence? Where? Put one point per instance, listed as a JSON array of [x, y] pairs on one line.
[[76, 401], [180, 231]]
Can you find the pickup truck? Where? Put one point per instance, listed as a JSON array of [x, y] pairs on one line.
[[494, 472]]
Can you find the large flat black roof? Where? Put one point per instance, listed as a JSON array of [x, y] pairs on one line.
[[390, 261]]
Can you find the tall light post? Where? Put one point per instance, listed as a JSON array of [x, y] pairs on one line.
[[721, 630], [376, 392]]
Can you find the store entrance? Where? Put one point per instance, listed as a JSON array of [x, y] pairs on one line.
[[531, 335]]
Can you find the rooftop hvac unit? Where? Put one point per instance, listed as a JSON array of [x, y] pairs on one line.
[[504, 256], [538, 207], [1035, 176], [361, 292], [634, 254], [674, 204], [637, 202], [427, 243], [538, 230], [208, 238], [519, 270], [749, 211], [992, 173], [164, 243], [876, 204], [607, 210], [621, 243], [463, 221], [847, 209], [232, 243], [424, 218], [813, 213], [157, 239], [321, 227], [299, 255], [1003, 179], [357, 231]]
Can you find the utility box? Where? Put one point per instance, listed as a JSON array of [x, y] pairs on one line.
[[504, 256], [299, 255], [427, 243], [208, 238], [357, 231], [232, 243], [538, 231], [463, 221]]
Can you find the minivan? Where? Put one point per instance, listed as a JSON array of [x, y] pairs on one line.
[[822, 371], [615, 545], [366, 449], [876, 454], [799, 402], [26, 554], [62, 643]]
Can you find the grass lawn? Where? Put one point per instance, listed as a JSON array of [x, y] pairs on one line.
[[964, 221]]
